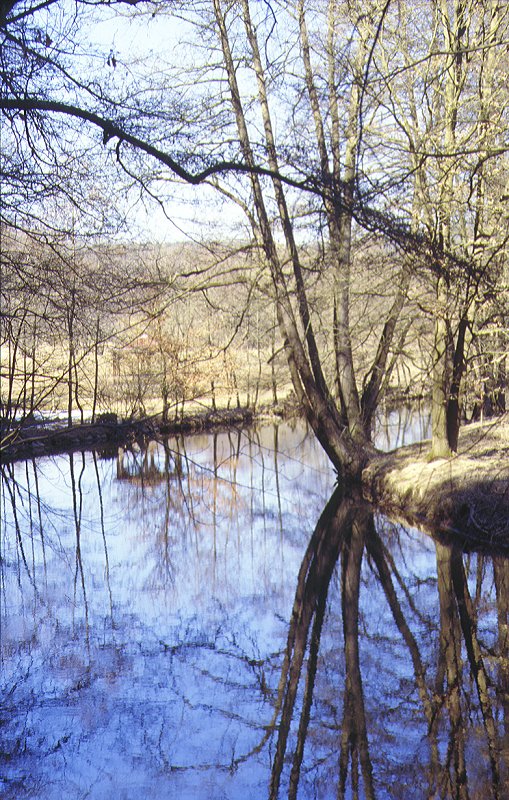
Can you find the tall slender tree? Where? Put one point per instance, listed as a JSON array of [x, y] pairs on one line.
[[317, 108]]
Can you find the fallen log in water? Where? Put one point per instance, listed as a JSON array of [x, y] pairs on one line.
[[28, 441], [209, 421], [37, 440]]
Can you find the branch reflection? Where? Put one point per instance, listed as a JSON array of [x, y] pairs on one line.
[[154, 587]]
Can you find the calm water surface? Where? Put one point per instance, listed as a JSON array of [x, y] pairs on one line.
[[210, 618]]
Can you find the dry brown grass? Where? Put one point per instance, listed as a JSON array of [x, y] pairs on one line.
[[466, 495]]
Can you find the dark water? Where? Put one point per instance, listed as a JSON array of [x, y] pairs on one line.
[[208, 618]]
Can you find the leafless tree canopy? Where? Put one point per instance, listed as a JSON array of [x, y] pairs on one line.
[[347, 141]]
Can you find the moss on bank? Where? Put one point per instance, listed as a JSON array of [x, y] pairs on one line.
[[465, 496]]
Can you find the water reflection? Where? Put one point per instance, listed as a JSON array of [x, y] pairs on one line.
[[458, 704], [176, 623]]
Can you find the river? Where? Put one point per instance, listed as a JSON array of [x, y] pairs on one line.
[[210, 617]]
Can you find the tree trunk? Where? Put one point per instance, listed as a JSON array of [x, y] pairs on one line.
[[305, 368], [453, 402], [440, 447]]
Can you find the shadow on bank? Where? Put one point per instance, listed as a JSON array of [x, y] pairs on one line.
[[470, 508]]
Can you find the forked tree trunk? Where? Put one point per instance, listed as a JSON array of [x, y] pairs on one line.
[[300, 350], [340, 429]]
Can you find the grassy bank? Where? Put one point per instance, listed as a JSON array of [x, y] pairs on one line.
[[465, 497]]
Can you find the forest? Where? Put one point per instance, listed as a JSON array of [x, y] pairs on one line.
[[336, 174], [287, 223]]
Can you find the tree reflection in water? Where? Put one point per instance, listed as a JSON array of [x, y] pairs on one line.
[[145, 649], [347, 532]]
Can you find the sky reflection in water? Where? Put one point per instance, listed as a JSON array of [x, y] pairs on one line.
[[148, 642]]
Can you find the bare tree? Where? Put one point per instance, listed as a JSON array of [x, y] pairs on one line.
[[289, 115]]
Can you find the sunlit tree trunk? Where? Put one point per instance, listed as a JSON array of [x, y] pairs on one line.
[[454, 27], [339, 201], [453, 233], [440, 375], [71, 358], [342, 247]]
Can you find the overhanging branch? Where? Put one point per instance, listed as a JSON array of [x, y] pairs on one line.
[[113, 130], [368, 218]]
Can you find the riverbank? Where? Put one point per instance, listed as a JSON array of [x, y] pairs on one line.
[[465, 497], [33, 440]]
